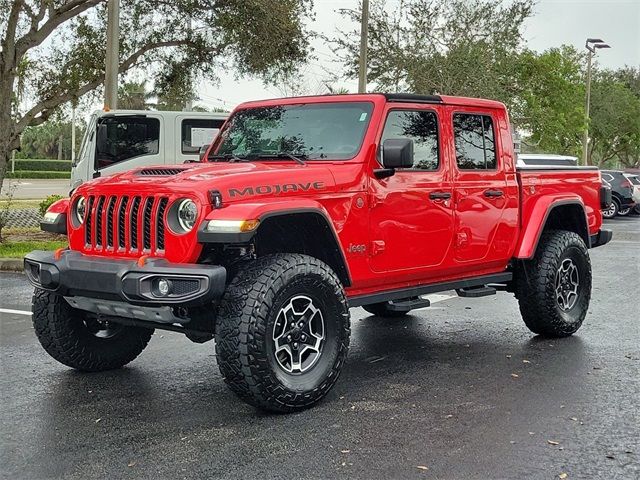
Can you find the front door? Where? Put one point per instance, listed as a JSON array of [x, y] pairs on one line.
[[411, 218]]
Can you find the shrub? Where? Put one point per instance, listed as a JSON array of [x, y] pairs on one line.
[[47, 202], [34, 175], [43, 165]]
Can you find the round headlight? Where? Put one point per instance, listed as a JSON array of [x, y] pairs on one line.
[[187, 214], [80, 210]]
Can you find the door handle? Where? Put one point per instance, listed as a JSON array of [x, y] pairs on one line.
[[439, 195], [493, 193]]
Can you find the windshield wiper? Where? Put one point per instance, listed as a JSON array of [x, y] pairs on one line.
[[297, 158], [228, 156]]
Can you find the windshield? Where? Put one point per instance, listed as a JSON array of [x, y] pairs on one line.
[[332, 131]]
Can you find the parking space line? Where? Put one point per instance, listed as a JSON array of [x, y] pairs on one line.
[[15, 312]]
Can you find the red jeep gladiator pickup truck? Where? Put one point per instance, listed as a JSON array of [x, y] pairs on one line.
[[300, 209]]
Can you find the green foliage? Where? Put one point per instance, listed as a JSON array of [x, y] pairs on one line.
[[457, 47], [134, 96], [172, 42], [35, 175], [551, 96], [49, 140], [615, 122], [47, 202], [20, 249], [23, 165]]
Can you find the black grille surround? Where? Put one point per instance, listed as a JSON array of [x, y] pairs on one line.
[[133, 225]]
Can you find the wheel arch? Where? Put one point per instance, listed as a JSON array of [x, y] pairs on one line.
[[565, 214], [302, 230]]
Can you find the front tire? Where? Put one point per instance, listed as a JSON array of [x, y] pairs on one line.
[[282, 332], [554, 288], [79, 340]]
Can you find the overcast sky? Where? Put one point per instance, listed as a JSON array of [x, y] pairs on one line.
[[555, 22]]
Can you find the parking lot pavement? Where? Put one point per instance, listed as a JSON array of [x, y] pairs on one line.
[[458, 390], [36, 188]]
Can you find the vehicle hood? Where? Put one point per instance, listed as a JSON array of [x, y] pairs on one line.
[[235, 181]]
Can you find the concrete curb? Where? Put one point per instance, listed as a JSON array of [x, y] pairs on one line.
[[11, 264]]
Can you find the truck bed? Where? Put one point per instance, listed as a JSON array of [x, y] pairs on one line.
[[562, 184]]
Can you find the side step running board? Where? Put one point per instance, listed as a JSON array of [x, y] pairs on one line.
[[408, 304], [475, 292]]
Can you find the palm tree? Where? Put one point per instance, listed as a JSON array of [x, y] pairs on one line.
[[134, 96]]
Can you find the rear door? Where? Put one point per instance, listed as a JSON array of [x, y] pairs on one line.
[[485, 195], [411, 219], [124, 142]]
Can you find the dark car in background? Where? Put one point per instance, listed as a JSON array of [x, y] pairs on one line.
[[621, 192]]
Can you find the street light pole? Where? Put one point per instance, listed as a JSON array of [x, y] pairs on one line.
[[364, 31], [112, 63], [591, 44]]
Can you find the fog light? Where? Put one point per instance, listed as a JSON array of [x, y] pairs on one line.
[[164, 287]]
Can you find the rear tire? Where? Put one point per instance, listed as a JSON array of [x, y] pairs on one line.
[[282, 332], [77, 339], [554, 288], [623, 212], [612, 211]]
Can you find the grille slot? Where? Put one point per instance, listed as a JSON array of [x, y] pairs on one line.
[[131, 224], [110, 232], [122, 211], [160, 223], [89, 222], [146, 223], [133, 221], [99, 215]]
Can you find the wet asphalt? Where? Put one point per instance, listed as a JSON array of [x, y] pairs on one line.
[[461, 390]]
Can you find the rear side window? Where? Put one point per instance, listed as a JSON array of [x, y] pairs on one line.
[[474, 139], [197, 132], [422, 128], [122, 138]]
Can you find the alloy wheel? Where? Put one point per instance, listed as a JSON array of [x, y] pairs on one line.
[[567, 284], [298, 335]]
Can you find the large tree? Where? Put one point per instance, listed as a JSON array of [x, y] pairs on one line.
[[53, 51], [455, 47], [614, 128], [550, 100]]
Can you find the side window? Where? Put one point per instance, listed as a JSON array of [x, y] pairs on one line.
[[121, 138], [607, 177], [197, 132], [475, 144], [422, 128]]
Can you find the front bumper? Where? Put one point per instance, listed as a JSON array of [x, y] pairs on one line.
[[73, 274]]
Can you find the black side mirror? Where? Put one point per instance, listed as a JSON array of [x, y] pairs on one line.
[[397, 153], [203, 151]]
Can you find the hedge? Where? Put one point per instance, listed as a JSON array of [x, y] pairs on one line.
[[43, 165], [31, 174]]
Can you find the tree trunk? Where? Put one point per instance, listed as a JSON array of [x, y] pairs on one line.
[[9, 140], [60, 140]]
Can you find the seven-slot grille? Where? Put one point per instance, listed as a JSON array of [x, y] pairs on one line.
[[129, 224]]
